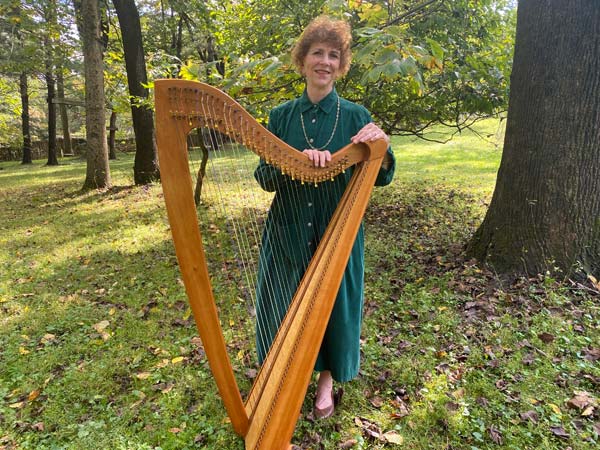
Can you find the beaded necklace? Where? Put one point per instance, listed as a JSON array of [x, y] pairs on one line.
[[337, 116]]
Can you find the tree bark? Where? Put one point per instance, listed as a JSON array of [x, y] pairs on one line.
[[67, 149], [50, 17], [146, 160], [25, 119], [112, 131], [545, 211], [98, 170]]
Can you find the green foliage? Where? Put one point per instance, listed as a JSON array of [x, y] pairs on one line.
[[10, 108], [414, 65], [448, 63]]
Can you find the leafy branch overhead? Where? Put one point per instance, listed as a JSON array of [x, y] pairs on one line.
[[414, 63]]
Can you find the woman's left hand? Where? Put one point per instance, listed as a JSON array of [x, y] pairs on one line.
[[370, 132]]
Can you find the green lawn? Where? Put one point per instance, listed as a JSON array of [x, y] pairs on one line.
[[98, 349]]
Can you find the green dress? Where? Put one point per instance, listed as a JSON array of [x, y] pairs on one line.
[[297, 219]]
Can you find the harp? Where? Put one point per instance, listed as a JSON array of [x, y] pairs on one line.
[[266, 419]]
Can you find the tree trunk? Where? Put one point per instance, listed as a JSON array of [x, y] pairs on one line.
[[112, 131], [25, 119], [52, 147], [67, 149], [146, 160], [50, 17], [545, 211], [98, 171]]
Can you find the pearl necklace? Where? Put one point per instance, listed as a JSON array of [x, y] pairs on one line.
[[337, 116]]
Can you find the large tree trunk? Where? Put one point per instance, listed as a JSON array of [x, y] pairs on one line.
[[146, 160], [545, 211], [98, 171], [25, 119], [67, 149]]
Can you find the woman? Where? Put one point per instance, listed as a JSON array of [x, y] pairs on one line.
[[319, 123]]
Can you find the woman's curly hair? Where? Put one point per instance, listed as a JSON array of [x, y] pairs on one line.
[[324, 29]]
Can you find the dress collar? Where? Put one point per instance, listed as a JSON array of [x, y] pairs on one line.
[[327, 103]]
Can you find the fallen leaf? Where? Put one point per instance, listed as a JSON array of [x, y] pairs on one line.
[[142, 375], [369, 429], [177, 359], [530, 415], [501, 384], [168, 388], [555, 408], [546, 338], [528, 359], [16, 405], [587, 412], [581, 400], [495, 435], [393, 437], [401, 409], [452, 406], [377, 402], [47, 338], [594, 282], [592, 354], [559, 432], [39, 426], [175, 430], [33, 395], [459, 393], [101, 326], [348, 444]]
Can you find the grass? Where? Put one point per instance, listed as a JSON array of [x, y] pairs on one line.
[[98, 350]]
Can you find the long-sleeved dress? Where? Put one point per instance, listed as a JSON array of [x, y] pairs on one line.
[[297, 219]]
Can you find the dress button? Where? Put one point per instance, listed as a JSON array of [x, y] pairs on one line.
[[311, 140], [314, 120], [309, 224], [309, 204]]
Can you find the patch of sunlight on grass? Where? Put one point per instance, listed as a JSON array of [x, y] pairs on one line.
[[469, 161]]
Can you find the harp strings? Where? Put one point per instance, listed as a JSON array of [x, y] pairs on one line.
[[233, 198], [232, 214]]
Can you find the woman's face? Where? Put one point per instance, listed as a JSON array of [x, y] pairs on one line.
[[321, 66]]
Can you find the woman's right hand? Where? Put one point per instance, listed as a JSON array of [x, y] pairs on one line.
[[320, 158]]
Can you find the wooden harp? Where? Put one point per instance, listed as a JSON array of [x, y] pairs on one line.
[[267, 418]]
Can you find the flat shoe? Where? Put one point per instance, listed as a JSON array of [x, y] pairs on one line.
[[325, 412]]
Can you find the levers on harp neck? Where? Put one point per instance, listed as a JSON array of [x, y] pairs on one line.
[[328, 174]]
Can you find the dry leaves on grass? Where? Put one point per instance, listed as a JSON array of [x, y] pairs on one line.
[[530, 415], [100, 327], [560, 432], [373, 431], [584, 402]]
